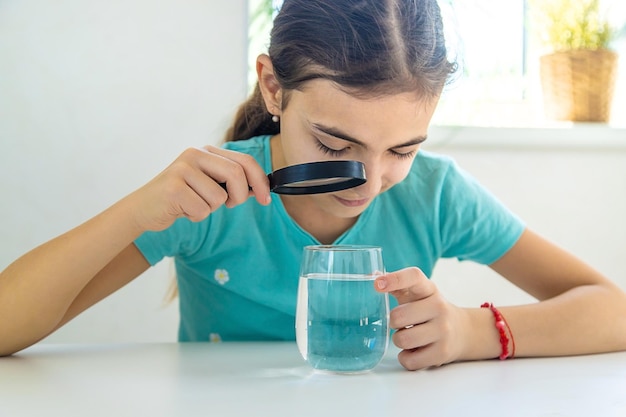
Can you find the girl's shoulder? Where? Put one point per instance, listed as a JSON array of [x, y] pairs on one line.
[[251, 146], [257, 147], [431, 161], [430, 167]]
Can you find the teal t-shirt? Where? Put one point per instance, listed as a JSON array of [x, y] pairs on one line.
[[237, 270]]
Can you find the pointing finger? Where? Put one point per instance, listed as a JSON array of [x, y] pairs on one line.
[[409, 284]]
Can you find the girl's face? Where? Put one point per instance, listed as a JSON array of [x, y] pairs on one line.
[[321, 122]]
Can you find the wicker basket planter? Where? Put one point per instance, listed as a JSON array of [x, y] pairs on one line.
[[578, 85]]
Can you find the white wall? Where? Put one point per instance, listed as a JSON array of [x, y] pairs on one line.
[[96, 97]]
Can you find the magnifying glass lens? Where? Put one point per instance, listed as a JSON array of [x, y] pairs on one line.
[[316, 183], [316, 177]]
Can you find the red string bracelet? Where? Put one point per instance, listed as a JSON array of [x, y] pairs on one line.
[[503, 327]]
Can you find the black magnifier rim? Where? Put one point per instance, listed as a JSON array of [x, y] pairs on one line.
[[352, 171]]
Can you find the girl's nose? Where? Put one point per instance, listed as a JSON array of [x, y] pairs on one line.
[[373, 185]]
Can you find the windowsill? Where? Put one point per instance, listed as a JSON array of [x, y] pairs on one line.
[[561, 136]]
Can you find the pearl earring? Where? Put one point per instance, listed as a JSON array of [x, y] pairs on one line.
[[275, 119]]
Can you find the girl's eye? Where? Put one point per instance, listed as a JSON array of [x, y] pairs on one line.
[[330, 151], [403, 155], [338, 152]]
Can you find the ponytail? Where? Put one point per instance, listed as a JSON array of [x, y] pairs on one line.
[[252, 119]]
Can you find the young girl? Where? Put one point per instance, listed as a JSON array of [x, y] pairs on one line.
[[344, 79]]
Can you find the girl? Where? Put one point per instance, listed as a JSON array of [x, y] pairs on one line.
[[344, 79]]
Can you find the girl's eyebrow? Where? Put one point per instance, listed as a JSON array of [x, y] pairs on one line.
[[331, 131]]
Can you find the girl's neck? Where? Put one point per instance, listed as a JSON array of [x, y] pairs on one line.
[[326, 229]]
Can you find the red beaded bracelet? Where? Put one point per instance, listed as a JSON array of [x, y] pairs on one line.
[[501, 324]]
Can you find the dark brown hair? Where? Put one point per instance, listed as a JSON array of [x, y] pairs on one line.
[[368, 48]]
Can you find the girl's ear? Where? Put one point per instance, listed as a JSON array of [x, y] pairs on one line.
[[270, 89]]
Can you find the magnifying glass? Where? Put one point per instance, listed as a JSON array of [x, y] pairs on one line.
[[316, 177]]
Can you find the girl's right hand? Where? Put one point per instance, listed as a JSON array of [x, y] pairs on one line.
[[190, 187]]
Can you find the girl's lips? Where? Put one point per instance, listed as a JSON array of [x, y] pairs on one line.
[[352, 203]]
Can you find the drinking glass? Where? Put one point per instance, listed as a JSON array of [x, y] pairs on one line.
[[342, 322]]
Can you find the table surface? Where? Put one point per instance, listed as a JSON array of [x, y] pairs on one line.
[[271, 379]]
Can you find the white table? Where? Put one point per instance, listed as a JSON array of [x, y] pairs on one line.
[[270, 379]]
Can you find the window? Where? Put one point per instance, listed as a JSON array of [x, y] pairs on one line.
[[488, 40], [260, 14], [498, 79], [498, 82]]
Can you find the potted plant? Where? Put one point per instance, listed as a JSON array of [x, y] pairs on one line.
[[578, 72]]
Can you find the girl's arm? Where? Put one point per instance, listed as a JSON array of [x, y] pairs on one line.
[[54, 282], [579, 311]]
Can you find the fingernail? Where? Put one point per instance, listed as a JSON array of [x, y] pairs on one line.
[[381, 284]]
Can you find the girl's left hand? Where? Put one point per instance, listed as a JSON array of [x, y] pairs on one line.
[[429, 329]]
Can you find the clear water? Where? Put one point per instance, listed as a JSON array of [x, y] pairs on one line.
[[341, 323]]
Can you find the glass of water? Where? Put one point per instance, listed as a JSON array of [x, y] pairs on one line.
[[342, 322]]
